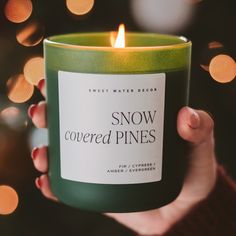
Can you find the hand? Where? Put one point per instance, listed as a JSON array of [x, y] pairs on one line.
[[194, 126]]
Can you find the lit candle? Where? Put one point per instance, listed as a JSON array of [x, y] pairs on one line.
[[113, 143]]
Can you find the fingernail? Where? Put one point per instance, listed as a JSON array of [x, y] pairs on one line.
[[31, 110], [34, 153], [41, 84], [194, 120], [38, 182]]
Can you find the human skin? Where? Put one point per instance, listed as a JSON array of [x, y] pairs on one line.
[[194, 126]]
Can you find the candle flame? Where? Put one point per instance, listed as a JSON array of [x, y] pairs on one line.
[[118, 41]]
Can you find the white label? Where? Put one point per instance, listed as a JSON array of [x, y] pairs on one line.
[[111, 127]]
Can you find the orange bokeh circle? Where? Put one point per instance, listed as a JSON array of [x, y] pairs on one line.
[[18, 11], [222, 68], [8, 200]]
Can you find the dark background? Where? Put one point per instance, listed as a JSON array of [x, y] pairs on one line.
[[214, 20]]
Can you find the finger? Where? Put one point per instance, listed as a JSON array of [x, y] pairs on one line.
[[40, 160], [42, 87], [43, 184], [195, 126], [37, 112]]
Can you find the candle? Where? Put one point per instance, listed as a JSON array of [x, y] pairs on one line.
[[113, 142]]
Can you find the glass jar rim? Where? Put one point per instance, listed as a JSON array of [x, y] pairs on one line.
[[61, 41]]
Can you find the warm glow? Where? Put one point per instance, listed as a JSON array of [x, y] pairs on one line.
[[222, 68], [79, 7], [34, 70], [31, 34], [215, 44], [18, 11], [18, 89], [8, 200], [205, 67], [13, 117], [9, 113], [119, 40]]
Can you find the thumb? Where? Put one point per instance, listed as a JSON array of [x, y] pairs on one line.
[[196, 127]]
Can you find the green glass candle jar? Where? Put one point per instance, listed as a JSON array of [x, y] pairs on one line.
[[113, 141]]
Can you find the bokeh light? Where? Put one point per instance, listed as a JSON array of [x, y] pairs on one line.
[[205, 67], [222, 68], [18, 11], [8, 200], [14, 117], [211, 50], [34, 70], [79, 7], [165, 16], [215, 44], [18, 89], [9, 113], [38, 137], [30, 34]]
